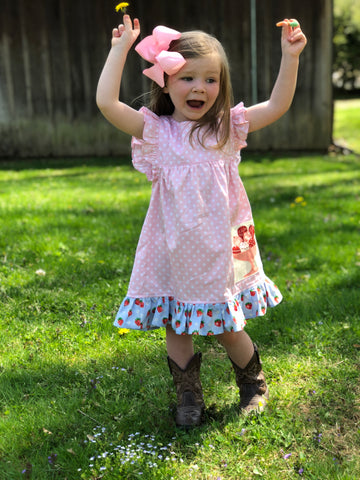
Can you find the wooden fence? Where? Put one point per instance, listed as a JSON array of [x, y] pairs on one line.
[[52, 52]]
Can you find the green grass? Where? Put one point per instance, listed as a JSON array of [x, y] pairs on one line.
[[75, 393], [347, 123]]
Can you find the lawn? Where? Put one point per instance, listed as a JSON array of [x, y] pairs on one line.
[[347, 123], [80, 399]]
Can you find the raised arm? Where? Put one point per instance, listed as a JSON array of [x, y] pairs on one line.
[[260, 115], [118, 113]]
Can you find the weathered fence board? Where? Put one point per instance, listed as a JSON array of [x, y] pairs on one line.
[[52, 52]]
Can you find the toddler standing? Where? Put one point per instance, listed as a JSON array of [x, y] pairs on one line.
[[197, 268]]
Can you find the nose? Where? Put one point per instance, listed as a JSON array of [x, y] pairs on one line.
[[198, 88]]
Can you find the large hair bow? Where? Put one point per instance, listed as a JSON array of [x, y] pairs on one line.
[[154, 49]]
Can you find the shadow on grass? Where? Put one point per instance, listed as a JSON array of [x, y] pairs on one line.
[[62, 163]]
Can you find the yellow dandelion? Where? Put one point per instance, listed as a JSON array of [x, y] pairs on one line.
[[122, 6], [292, 205], [303, 204], [299, 199], [123, 331]]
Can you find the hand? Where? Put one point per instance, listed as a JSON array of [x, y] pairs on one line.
[[293, 40], [126, 34]]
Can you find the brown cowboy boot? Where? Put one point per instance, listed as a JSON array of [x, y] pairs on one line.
[[253, 390], [190, 402]]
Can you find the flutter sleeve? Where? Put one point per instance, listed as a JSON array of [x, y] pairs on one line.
[[239, 126], [145, 150]]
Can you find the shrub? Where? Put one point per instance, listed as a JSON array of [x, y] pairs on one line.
[[346, 42]]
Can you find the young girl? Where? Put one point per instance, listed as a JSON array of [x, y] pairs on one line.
[[197, 267]]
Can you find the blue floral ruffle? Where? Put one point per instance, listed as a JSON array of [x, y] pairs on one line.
[[200, 318]]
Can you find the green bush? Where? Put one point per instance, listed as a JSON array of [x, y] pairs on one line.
[[346, 41]]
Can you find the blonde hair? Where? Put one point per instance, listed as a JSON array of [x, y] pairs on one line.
[[216, 121]]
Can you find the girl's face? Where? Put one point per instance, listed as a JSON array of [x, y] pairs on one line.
[[194, 89]]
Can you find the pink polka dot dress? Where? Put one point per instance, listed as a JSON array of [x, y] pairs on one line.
[[197, 264]]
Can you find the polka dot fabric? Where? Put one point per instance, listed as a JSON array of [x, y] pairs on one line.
[[197, 265]]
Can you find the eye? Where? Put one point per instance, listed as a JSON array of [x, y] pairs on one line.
[[211, 80], [187, 79]]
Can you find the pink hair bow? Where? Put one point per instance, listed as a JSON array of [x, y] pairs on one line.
[[154, 49]]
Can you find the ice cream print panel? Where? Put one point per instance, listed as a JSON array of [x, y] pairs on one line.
[[245, 252]]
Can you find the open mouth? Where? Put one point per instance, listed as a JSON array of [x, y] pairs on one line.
[[195, 103]]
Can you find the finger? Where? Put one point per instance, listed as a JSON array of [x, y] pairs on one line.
[[297, 36], [127, 22], [286, 31], [136, 24], [292, 33], [115, 33]]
